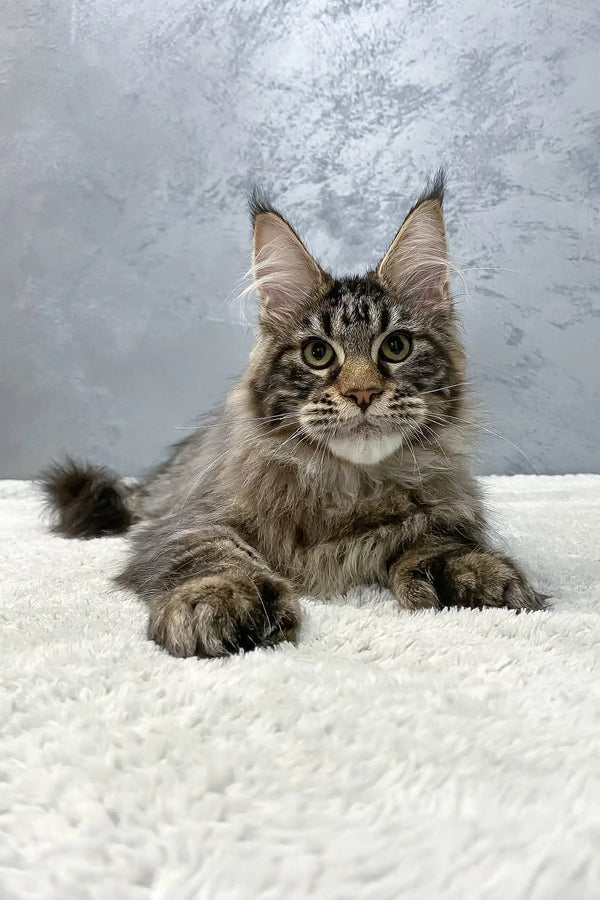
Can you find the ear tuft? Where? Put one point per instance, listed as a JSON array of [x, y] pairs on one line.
[[435, 189], [259, 202], [416, 263]]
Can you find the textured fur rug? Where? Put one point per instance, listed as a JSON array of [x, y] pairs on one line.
[[389, 755]]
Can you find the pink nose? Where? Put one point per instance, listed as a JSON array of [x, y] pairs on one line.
[[363, 398]]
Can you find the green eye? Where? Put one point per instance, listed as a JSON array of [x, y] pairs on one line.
[[396, 347], [318, 354]]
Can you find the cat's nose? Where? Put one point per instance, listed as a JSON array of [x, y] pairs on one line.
[[364, 397]]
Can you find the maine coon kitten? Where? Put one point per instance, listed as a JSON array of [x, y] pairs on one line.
[[340, 458]]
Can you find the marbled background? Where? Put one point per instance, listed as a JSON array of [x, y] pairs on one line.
[[132, 130]]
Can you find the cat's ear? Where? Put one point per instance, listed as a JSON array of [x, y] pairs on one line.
[[416, 263], [285, 274]]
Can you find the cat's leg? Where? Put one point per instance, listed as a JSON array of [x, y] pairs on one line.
[[211, 594], [455, 574]]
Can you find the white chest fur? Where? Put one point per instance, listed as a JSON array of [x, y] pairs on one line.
[[365, 451]]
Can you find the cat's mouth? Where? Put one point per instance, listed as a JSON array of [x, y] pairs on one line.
[[369, 426], [365, 437]]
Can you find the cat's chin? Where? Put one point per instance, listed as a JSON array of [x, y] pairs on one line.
[[365, 451]]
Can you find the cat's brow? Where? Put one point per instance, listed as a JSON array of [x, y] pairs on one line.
[[326, 322], [384, 319]]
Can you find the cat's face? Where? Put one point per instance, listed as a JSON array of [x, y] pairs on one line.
[[363, 366]]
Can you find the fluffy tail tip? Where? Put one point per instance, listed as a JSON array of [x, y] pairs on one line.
[[85, 501]]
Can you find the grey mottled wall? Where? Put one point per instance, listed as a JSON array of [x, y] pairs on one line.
[[131, 131]]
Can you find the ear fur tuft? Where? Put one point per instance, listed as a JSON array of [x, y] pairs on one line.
[[259, 202]]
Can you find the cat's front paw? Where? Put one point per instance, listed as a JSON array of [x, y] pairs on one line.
[[473, 579], [220, 615], [485, 578]]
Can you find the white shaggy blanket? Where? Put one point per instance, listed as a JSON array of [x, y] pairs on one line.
[[389, 755]]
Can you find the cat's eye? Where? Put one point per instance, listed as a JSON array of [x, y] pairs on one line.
[[395, 347], [318, 354]]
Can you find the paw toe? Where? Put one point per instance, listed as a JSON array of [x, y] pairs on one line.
[[218, 616], [416, 593]]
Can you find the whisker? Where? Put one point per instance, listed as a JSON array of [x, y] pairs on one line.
[[221, 424], [445, 387], [433, 435], [446, 419]]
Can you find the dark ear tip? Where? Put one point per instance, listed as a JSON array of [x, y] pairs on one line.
[[437, 186], [434, 190], [259, 202]]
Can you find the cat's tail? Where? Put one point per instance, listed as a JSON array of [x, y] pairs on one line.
[[87, 501]]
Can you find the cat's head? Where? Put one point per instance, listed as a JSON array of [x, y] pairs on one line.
[[362, 365]]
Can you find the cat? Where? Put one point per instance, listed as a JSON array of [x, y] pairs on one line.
[[340, 458]]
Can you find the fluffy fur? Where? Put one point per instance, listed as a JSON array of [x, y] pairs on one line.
[[318, 476], [89, 501]]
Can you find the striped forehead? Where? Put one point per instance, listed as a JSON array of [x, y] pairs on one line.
[[352, 314]]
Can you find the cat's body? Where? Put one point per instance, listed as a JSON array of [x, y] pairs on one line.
[[323, 523], [341, 458]]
